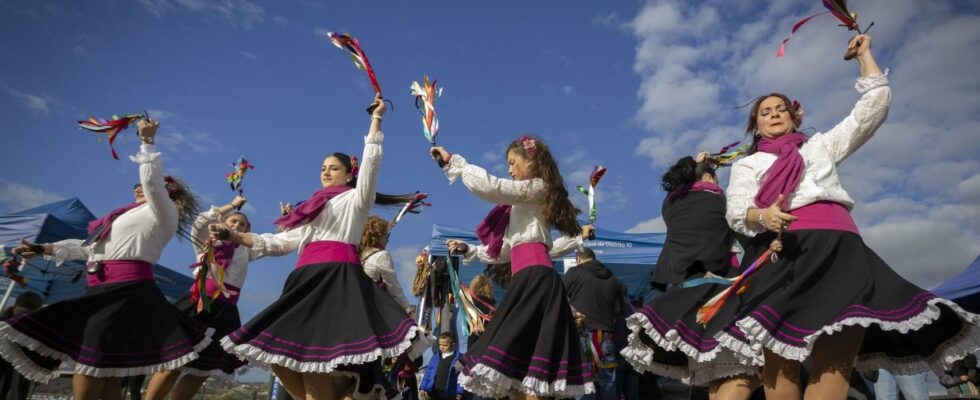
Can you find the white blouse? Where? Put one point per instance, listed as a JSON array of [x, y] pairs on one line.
[[237, 269], [526, 225], [342, 218], [821, 153], [379, 267], [140, 233]]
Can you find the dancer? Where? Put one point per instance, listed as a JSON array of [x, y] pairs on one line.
[[222, 314], [122, 325], [829, 298], [331, 321], [665, 337], [377, 262], [531, 347]]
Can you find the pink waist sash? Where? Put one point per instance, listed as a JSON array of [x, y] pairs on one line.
[[116, 271], [529, 254], [823, 215], [328, 251]]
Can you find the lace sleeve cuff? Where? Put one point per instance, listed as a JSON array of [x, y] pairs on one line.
[[148, 153], [454, 169], [865, 84]]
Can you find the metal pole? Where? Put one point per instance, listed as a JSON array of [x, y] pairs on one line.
[[6, 295]]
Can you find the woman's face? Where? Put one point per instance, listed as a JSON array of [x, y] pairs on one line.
[[334, 173], [237, 223], [138, 194], [774, 118], [518, 166]]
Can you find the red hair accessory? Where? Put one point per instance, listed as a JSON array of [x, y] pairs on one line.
[[530, 145], [354, 166], [798, 110], [171, 185]]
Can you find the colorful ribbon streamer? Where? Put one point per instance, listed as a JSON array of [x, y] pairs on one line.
[[345, 42], [413, 206], [738, 285], [236, 178], [597, 172], [728, 154], [425, 98], [109, 127], [838, 8]]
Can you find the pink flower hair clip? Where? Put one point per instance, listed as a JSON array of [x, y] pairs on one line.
[[530, 145]]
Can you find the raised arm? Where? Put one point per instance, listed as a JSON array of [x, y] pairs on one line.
[[491, 188], [151, 173], [199, 228], [370, 163], [869, 112]]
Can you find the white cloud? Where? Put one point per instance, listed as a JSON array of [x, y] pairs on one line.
[[279, 19], [160, 114], [321, 32], [157, 7], [652, 225], [249, 55], [567, 90], [404, 259], [81, 51], [192, 140], [33, 102], [18, 197], [239, 13], [915, 182]]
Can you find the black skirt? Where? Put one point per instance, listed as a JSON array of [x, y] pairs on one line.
[[826, 280], [330, 318], [113, 330], [531, 345], [224, 318], [666, 339]]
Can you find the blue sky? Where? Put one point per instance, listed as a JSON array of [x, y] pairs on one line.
[[632, 85]]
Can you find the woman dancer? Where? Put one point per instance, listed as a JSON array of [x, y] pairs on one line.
[[331, 321], [122, 325], [222, 314], [665, 337], [531, 348], [829, 298], [377, 262]]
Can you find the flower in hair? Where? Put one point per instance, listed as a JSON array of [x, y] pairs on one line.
[[354, 166], [798, 110], [171, 184], [530, 145]]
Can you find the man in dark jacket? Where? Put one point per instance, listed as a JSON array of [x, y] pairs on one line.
[[599, 302]]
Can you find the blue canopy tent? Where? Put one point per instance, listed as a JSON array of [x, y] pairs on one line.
[[631, 256], [66, 219], [964, 289]]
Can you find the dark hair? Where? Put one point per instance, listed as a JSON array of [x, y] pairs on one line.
[[29, 300], [380, 198], [685, 172], [447, 335], [753, 125], [556, 209], [585, 254]]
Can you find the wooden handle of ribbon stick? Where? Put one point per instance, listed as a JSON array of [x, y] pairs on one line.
[[850, 53]]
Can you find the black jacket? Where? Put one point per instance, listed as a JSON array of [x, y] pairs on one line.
[[594, 291]]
